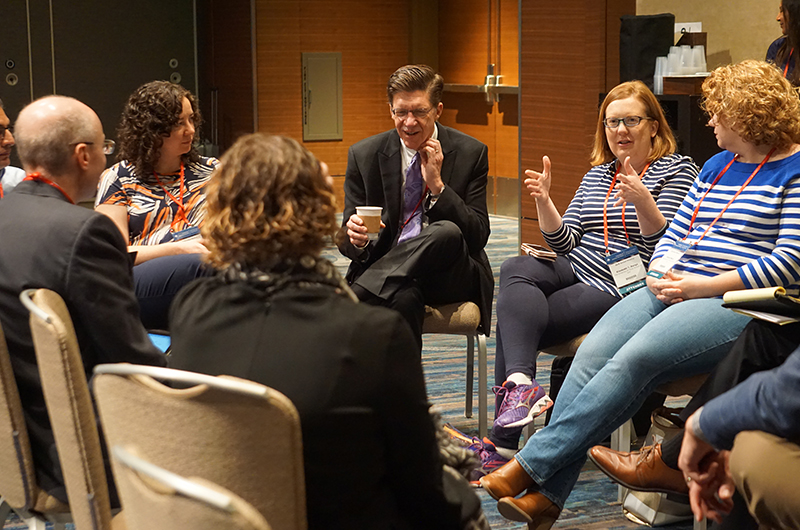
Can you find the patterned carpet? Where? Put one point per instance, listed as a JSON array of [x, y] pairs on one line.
[[592, 504]]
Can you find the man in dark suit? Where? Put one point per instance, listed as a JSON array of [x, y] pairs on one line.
[[430, 181], [49, 242]]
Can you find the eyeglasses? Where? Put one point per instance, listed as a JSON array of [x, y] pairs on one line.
[[629, 121], [418, 113], [108, 146], [4, 129]]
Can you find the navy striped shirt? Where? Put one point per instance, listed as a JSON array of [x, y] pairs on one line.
[[758, 235], [580, 237]]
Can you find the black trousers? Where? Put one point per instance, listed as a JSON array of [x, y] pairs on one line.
[[432, 268]]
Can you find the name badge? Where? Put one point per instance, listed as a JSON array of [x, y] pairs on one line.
[[627, 270], [187, 233], [669, 260]]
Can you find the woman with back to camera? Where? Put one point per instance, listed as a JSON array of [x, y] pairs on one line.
[[637, 184], [155, 195], [739, 227], [782, 51], [279, 314]]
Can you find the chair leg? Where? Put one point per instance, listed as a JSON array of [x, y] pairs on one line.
[[621, 441], [5, 509], [483, 405], [470, 375]]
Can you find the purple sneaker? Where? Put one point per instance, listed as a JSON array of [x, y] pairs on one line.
[[490, 460], [521, 404]]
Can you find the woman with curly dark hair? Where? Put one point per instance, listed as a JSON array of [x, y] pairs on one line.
[[155, 194], [279, 314]]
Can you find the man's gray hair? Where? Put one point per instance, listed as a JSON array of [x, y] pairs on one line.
[[51, 146]]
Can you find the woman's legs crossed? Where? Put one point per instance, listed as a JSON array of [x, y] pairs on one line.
[[674, 342]]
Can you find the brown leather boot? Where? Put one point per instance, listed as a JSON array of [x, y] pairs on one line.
[[509, 480], [644, 470], [534, 508]]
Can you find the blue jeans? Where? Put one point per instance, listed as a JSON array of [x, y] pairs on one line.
[[639, 344]]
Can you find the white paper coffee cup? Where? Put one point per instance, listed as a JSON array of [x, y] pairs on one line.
[[371, 215]]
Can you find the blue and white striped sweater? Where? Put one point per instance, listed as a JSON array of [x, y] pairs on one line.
[[758, 235], [580, 237]]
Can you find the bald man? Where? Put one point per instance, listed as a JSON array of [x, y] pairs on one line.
[[50, 242], [9, 176]]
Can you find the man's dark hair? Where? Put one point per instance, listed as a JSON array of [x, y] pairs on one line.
[[413, 77]]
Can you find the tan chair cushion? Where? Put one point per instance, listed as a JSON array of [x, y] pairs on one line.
[[566, 349], [680, 387], [452, 319]]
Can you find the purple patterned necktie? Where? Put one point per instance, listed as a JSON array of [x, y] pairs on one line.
[[412, 205]]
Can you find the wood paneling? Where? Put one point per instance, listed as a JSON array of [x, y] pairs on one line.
[[464, 54], [566, 50], [373, 39]]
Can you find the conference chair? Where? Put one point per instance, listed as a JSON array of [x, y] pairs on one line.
[[464, 319], [69, 406], [157, 499], [18, 488], [238, 434]]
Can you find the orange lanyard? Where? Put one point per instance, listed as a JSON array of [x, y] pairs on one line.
[[605, 207], [38, 177], [741, 189], [786, 67], [1, 190], [181, 210]]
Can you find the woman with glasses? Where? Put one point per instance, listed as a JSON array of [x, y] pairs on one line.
[[155, 193], [738, 228], [623, 204]]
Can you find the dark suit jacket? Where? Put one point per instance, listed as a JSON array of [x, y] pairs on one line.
[[374, 178], [81, 255], [353, 372]]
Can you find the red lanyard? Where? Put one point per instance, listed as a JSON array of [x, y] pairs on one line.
[[786, 67], [38, 177], [605, 207], [411, 216], [741, 189], [1, 190], [181, 210]]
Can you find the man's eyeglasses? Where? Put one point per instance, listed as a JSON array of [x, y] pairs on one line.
[[629, 121], [4, 129], [417, 113], [108, 146]]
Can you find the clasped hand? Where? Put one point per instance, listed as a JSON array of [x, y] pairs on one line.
[[708, 476], [671, 288]]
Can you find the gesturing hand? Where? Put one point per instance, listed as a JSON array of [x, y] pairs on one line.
[[629, 186], [538, 184], [431, 158]]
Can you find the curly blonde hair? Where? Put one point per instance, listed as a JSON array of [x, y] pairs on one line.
[[663, 143], [268, 201], [753, 99]]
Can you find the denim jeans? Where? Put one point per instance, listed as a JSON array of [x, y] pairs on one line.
[[639, 344]]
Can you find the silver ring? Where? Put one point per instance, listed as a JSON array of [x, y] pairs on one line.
[[688, 480]]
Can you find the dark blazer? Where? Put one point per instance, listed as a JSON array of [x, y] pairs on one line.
[[374, 178], [81, 255], [353, 372]]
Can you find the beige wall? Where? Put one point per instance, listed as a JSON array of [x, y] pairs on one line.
[[737, 29]]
